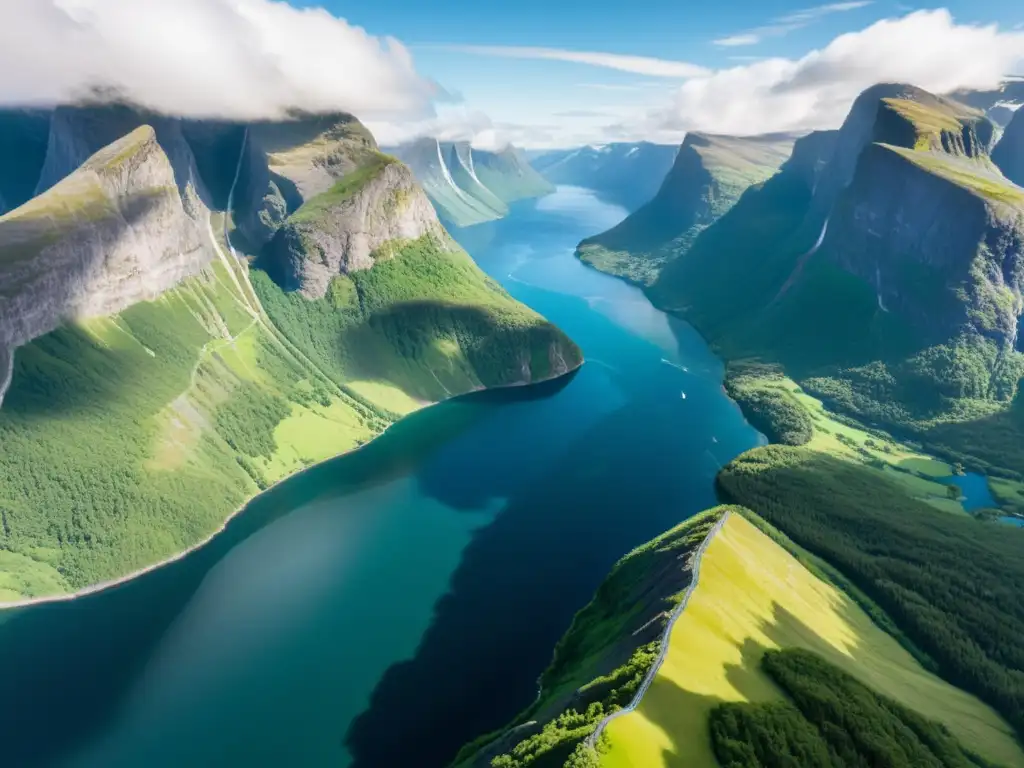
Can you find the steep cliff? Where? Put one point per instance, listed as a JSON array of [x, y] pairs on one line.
[[459, 198], [889, 278], [508, 175], [114, 232], [1009, 153], [708, 177], [289, 162], [462, 166], [339, 231]]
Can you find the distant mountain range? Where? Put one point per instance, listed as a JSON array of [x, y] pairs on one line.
[[628, 174], [470, 186]]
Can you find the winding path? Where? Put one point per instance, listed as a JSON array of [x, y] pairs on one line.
[[653, 671]]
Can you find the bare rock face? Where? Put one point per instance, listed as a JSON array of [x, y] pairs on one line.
[[112, 233], [341, 231], [287, 163]]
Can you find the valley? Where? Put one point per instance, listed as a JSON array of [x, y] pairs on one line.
[[611, 440]]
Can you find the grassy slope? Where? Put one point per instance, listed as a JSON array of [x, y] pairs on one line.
[[129, 438], [755, 596], [753, 386], [950, 583], [600, 661], [424, 320]]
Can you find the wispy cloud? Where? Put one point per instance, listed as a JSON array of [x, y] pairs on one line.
[[816, 90], [640, 65], [783, 25], [584, 113]]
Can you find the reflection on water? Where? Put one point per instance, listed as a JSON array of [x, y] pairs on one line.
[[384, 608]]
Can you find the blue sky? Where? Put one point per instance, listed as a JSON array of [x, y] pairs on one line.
[[538, 92], [532, 72]]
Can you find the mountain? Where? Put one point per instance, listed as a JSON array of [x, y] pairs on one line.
[[999, 103], [152, 381], [758, 661], [889, 280], [1009, 152], [470, 186], [627, 174], [707, 178]]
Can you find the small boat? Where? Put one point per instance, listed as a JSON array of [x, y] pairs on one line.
[[682, 395]]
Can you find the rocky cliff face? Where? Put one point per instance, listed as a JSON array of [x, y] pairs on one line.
[[112, 233], [811, 154], [944, 256], [341, 231], [286, 163], [1009, 153]]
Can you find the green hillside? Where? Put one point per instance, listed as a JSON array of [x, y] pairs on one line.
[[708, 177], [130, 438]]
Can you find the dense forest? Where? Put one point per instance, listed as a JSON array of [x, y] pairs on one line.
[[772, 411], [834, 721], [954, 585]]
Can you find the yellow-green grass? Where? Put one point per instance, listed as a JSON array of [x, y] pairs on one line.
[[965, 174], [22, 574], [386, 395], [311, 435], [931, 120], [826, 439], [753, 596]]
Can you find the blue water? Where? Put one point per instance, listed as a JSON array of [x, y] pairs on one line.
[[386, 607], [976, 491]]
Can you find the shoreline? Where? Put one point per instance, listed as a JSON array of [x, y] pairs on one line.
[[112, 583]]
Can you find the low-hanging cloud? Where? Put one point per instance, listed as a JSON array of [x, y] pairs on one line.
[[925, 48], [228, 58]]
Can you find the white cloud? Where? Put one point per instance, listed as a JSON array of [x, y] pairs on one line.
[[641, 65], [748, 38], [237, 58], [783, 25], [925, 48]]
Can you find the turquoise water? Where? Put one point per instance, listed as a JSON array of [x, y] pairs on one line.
[[386, 607], [977, 494]]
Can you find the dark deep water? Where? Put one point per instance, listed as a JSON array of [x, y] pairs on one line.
[[384, 608]]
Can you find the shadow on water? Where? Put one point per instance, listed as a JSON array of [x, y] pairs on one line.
[[102, 642], [494, 632]]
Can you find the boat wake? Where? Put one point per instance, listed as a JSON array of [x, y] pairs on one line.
[[668, 362]]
